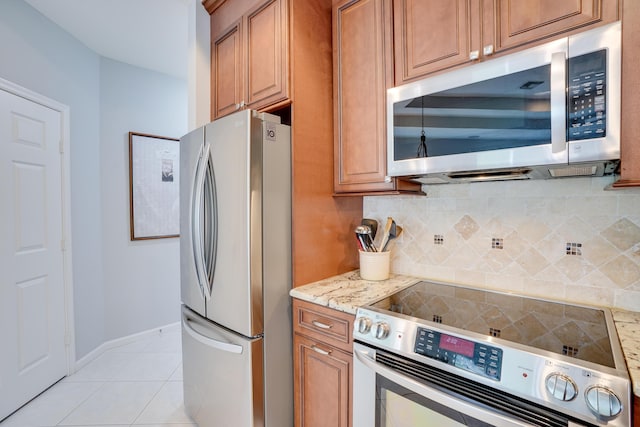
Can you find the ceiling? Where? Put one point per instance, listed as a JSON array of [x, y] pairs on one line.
[[151, 34]]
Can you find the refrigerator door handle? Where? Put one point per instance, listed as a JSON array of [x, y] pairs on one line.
[[196, 223], [209, 342], [210, 234]]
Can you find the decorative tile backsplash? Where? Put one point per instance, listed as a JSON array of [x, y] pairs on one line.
[[566, 239]]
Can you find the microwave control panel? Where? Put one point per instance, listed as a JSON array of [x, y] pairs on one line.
[[480, 359], [587, 94]]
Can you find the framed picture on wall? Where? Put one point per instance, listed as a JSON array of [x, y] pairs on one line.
[[154, 172]]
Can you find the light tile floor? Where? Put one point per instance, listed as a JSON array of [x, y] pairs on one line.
[[136, 384]]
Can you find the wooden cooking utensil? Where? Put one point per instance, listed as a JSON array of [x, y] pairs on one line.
[[385, 235]]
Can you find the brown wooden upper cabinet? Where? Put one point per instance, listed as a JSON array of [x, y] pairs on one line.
[[363, 70], [433, 35], [629, 129], [249, 54]]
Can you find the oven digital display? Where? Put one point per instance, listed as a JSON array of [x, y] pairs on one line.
[[457, 345], [478, 358]]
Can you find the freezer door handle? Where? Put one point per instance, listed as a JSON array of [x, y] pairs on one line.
[[208, 341]]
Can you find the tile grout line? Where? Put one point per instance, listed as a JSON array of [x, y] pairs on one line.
[[147, 405], [87, 397]]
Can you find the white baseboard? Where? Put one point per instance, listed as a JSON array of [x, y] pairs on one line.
[[80, 363]]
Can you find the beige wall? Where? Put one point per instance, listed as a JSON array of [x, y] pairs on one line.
[[536, 220]]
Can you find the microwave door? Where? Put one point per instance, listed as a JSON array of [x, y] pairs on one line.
[[502, 113]]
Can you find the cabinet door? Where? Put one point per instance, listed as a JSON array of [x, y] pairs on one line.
[[523, 21], [267, 54], [226, 71], [431, 35], [630, 104], [321, 384], [249, 60], [362, 73]]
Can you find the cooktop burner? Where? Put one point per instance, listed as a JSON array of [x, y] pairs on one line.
[[559, 356], [570, 330]]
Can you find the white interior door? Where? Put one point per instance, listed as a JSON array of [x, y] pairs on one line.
[[32, 300]]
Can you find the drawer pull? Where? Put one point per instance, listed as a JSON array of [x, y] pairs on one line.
[[321, 351], [321, 325]]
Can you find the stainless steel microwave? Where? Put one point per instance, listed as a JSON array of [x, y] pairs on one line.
[[549, 111]]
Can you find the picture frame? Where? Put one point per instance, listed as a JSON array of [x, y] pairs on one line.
[[154, 183]]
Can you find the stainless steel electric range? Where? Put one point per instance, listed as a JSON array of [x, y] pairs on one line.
[[446, 355]]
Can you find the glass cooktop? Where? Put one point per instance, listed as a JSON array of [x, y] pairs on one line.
[[579, 332]]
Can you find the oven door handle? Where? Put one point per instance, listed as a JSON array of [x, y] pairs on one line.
[[468, 408]]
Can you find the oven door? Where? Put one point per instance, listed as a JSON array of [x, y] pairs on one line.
[[400, 396]]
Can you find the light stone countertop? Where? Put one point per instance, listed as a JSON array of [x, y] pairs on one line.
[[348, 291], [628, 327]]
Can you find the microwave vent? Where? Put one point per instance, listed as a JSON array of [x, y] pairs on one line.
[[588, 170], [430, 180], [492, 175]]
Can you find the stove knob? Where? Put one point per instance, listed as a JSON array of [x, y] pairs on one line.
[[363, 325], [561, 387], [602, 401], [380, 330]]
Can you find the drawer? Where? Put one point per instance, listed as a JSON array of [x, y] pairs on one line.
[[324, 324]]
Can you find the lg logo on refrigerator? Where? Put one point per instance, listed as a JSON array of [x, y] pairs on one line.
[[270, 131]]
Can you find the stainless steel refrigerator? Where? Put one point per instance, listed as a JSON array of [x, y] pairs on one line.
[[235, 260]]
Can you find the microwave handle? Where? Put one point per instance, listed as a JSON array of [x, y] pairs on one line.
[[558, 102]]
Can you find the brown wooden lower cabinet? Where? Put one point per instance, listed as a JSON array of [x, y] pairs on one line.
[[636, 411], [321, 384], [323, 366]]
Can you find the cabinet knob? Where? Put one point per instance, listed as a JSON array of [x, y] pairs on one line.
[[473, 55], [487, 50]]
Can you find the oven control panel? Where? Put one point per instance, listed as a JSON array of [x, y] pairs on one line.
[[478, 358]]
